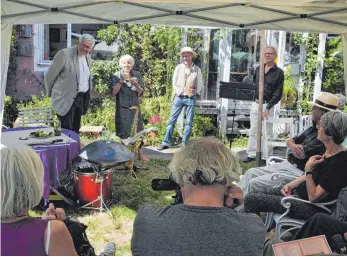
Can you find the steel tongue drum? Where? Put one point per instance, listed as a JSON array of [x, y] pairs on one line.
[[106, 153]]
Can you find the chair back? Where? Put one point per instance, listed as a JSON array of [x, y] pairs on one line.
[[33, 117]]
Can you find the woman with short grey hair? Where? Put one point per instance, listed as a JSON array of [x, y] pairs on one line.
[[127, 87], [325, 175]]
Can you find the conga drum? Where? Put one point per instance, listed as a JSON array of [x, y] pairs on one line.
[[87, 186]]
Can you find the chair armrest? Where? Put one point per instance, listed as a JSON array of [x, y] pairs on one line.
[[273, 158], [286, 204]]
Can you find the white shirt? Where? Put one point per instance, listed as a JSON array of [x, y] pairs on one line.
[[199, 82], [84, 74]]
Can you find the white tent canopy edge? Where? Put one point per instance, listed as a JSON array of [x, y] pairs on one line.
[[288, 15]]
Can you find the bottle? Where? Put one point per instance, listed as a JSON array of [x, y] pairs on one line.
[[57, 128]]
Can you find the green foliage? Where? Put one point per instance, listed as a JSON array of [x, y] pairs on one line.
[[333, 80], [201, 125], [101, 114], [240, 141], [36, 102], [102, 72], [10, 111], [289, 88]]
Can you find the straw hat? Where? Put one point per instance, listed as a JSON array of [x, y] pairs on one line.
[[187, 49], [327, 101]]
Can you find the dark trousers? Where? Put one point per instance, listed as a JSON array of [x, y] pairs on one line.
[[321, 224], [72, 120]]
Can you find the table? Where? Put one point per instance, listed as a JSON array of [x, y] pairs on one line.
[[55, 158]]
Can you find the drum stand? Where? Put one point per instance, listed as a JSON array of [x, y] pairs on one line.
[[99, 179]]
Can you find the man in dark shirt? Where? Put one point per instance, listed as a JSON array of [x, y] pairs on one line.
[[273, 88], [205, 224], [301, 148]]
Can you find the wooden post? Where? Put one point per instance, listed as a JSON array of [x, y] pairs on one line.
[[261, 97]]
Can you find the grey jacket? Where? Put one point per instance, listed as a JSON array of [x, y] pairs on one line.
[[62, 80]]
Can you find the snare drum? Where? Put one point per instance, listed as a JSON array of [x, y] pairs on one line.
[[87, 186]]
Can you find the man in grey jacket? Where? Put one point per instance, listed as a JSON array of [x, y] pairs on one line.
[[69, 82]]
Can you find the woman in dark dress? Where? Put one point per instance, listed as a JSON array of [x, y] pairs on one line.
[[325, 175], [128, 87]]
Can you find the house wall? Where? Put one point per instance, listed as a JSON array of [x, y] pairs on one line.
[[24, 81]]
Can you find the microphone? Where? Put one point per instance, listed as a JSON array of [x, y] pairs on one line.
[[338, 244]]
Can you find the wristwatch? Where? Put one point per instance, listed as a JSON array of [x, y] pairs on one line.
[[309, 172]]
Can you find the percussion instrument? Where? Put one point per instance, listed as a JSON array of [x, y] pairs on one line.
[[93, 177], [87, 187]]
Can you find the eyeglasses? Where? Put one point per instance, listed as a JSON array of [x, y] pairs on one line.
[[269, 53]]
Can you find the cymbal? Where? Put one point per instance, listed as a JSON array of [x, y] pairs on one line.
[[106, 153]]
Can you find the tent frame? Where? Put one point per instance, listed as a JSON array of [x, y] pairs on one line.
[[168, 12]]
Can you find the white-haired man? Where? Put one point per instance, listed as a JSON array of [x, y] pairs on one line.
[[204, 224], [273, 88], [187, 83], [69, 82]]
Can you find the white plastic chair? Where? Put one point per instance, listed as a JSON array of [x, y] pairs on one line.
[[281, 125]]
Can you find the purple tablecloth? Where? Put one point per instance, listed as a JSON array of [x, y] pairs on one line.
[[55, 158]]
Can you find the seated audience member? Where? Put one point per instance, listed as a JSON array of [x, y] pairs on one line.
[[21, 190], [204, 224], [301, 148], [322, 224], [325, 175]]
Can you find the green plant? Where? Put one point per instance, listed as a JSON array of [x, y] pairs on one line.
[[201, 125], [289, 94], [10, 111], [101, 113]]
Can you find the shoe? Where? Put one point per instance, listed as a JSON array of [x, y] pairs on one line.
[[249, 159], [162, 147], [109, 250]]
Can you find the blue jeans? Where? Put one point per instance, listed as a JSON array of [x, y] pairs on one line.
[[176, 109]]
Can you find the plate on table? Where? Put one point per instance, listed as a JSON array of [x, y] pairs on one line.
[[41, 134]]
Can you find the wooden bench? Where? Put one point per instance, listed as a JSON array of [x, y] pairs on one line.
[[34, 117], [95, 130]]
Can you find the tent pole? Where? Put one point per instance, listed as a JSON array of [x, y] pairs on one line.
[[261, 97]]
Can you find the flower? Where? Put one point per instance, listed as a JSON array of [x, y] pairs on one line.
[[155, 119]]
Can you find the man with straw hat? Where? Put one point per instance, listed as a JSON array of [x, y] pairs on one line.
[[301, 148], [187, 83]]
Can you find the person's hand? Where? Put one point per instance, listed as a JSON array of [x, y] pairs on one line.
[[233, 195], [313, 161], [266, 114], [345, 236], [134, 82], [298, 151], [286, 190], [53, 213]]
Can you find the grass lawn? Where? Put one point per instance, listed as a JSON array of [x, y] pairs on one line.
[[130, 194]]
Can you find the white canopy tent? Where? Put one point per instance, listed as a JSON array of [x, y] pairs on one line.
[[328, 16]]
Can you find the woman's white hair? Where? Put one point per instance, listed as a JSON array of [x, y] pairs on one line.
[[125, 58], [86, 37], [21, 181], [207, 158]]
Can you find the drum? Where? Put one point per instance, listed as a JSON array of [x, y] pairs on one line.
[[87, 186]]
